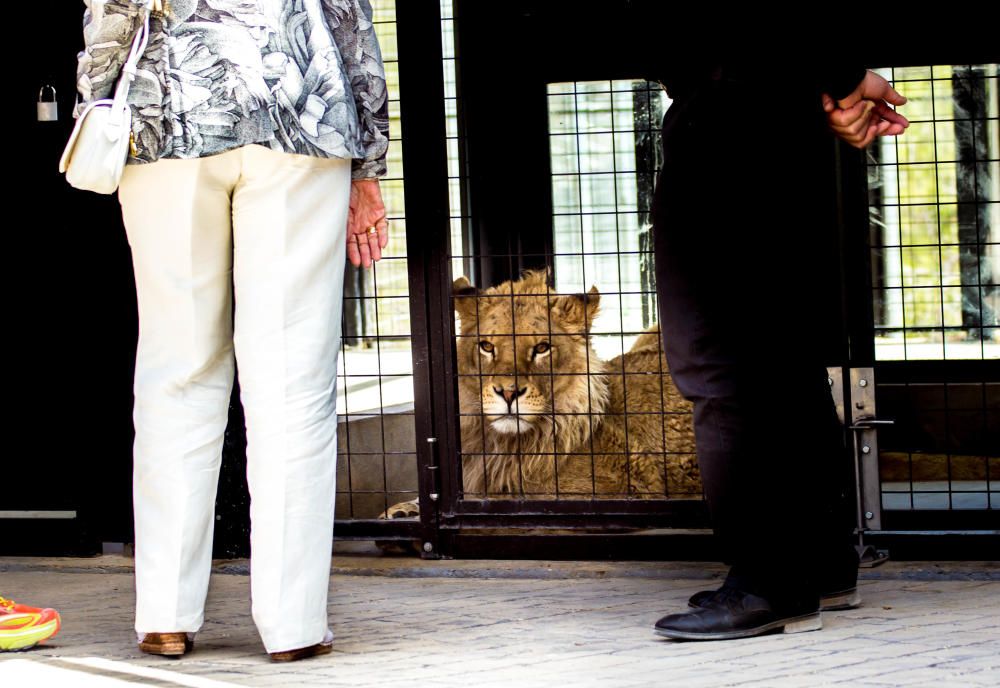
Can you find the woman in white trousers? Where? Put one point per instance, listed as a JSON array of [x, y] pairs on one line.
[[269, 229], [245, 188]]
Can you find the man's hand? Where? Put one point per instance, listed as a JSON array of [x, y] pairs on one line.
[[866, 112], [366, 211]]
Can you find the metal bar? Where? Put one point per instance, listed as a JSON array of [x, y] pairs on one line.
[[648, 546], [425, 167], [912, 372], [39, 514], [938, 533], [378, 529], [653, 545], [561, 523], [957, 519], [591, 507], [856, 274]]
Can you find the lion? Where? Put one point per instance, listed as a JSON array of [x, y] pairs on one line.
[[543, 417]]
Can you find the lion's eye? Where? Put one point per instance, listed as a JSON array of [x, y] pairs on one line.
[[541, 348], [486, 346]]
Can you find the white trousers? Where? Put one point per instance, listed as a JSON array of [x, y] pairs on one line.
[[268, 228]]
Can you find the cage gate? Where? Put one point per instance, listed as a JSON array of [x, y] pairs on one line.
[[542, 420]]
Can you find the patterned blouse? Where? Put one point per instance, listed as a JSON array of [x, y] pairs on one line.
[[298, 76]]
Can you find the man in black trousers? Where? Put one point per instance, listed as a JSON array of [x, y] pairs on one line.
[[735, 215]]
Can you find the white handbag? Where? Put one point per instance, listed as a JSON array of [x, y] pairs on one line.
[[95, 155]]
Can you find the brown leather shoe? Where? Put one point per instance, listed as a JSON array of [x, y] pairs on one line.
[[167, 644], [323, 648]]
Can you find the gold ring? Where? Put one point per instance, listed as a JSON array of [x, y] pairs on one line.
[[372, 230]]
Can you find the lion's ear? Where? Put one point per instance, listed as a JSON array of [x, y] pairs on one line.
[[538, 278], [580, 309], [465, 296]]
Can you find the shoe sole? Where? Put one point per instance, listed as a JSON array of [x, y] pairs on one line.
[[839, 601], [798, 624], [301, 653], [170, 647]]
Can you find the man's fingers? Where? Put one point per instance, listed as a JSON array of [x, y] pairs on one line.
[[850, 101], [828, 104], [893, 96], [861, 124], [845, 118], [855, 138], [855, 141], [890, 115], [894, 129], [867, 136], [867, 113]]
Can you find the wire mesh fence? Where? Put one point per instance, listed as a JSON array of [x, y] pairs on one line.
[[935, 210], [377, 465]]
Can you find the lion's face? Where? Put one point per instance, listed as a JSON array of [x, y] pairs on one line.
[[524, 357]]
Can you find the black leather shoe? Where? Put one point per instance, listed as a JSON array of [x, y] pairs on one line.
[[729, 613], [833, 601]]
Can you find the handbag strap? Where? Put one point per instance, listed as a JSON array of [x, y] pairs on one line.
[[120, 101]]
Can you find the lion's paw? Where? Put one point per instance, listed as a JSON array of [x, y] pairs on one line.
[[410, 509]]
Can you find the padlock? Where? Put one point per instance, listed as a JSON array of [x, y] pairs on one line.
[[48, 110]]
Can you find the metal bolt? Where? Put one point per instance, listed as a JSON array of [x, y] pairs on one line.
[[869, 515], [428, 547], [866, 449], [433, 496], [862, 383], [432, 440], [829, 381]]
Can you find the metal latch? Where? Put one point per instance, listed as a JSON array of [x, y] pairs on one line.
[[864, 425]]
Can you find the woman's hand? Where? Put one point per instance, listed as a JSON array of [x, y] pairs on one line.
[[367, 228], [866, 112]]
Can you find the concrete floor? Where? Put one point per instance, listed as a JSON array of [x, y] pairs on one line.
[[405, 622]]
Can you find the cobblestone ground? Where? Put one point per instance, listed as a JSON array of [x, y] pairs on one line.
[[521, 624]]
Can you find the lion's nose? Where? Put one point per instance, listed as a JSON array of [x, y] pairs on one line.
[[509, 394]]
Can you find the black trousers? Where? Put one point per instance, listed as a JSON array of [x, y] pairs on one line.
[[736, 241]]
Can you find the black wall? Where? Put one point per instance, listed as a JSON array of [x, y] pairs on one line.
[[71, 337]]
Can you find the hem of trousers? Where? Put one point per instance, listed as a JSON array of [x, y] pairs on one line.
[[293, 641]]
